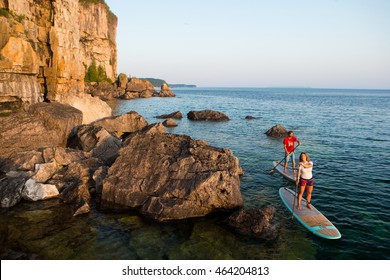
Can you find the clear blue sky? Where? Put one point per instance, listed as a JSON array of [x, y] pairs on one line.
[[256, 43]]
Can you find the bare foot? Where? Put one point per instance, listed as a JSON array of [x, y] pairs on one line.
[[309, 206], [299, 207]]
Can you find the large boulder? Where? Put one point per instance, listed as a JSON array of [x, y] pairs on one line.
[[74, 182], [95, 140], [11, 190], [122, 80], [277, 131], [172, 177], [137, 88], [129, 122], [45, 125], [207, 115], [104, 90], [93, 107], [34, 191], [169, 123], [165, 91], [21, 161], [257, 223]]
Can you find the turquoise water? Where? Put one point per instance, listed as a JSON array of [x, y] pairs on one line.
[[345, 132]]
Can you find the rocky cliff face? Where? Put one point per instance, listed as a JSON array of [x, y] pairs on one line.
[[46, 47]]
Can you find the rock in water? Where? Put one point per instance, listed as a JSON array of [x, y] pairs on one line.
[[165, 91], [175, 115], [172, 177], [169, 123], [207, 115], [254, 222], [277, 131]]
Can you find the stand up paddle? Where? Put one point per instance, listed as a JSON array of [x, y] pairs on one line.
[[295, 198], [273, 169]]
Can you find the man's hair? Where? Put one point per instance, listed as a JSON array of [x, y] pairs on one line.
[[288, 133]]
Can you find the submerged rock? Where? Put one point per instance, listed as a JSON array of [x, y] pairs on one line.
[[172, 177], [277, 131], [254, 222], [175, 115], [207, 115]]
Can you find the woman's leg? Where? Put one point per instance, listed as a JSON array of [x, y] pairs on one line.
[[309, 190], [301, 191]]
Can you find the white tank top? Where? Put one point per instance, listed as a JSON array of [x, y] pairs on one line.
[[306, 173]]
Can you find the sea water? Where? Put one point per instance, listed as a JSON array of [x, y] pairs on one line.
[[345, 132]]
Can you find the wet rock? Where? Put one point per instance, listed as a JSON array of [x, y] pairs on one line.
[[254, 222], [172, 177], [207, 115], [76, 194], [277, 131], [98, 177], [250, 118], [175, 115]]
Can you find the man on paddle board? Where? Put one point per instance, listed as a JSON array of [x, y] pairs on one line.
[[289, 147]]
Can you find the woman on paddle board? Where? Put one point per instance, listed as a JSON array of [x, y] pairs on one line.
[[305, 179], [289, 143]]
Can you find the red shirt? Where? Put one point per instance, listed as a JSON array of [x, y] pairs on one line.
[[289, 143]]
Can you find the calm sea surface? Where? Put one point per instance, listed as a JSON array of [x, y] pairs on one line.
[[346, 133]]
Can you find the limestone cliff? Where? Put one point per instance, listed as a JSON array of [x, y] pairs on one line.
[[46, 47]]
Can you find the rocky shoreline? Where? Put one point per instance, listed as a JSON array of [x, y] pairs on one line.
[[123, 161], [59, 140]]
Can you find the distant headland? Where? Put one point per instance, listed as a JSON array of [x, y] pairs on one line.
[[159, 82]]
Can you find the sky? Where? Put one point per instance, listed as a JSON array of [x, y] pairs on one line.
[[256, 43]]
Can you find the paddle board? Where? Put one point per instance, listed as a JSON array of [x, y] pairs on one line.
[[289, 172], [312, 219]]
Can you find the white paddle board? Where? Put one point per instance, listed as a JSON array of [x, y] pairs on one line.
[[289, 174], [312, 219]]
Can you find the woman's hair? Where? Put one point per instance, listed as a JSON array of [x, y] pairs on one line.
[[307, 157]]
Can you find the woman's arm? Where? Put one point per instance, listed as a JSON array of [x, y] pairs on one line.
[[298, 175], [307, 164]]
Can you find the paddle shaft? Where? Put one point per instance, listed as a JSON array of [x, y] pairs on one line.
[[295, 198], [273, 169]]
